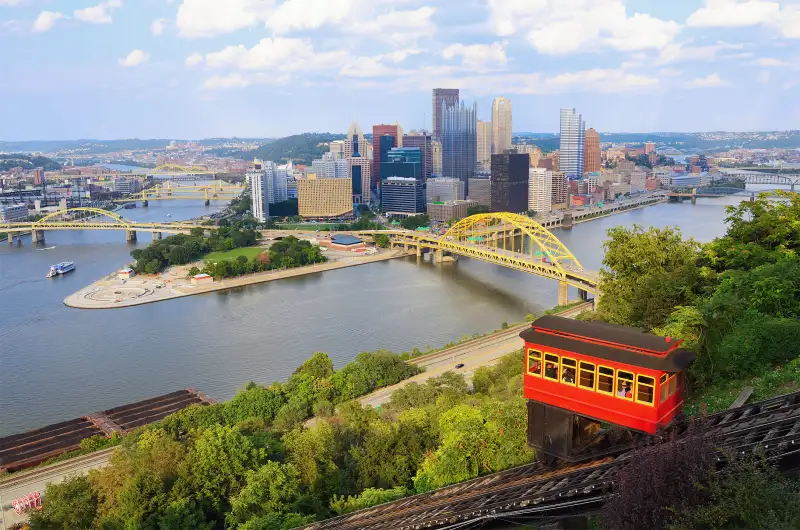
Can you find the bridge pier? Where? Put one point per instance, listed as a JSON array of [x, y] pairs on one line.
[[145, 204], [439, 256], [583, 295], [37, 236], [694, 199], [208, 202], [563, 293], [156, 235], [130, 236]]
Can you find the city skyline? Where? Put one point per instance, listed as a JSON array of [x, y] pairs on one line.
[[262, 68]]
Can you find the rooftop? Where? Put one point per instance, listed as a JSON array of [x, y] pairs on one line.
[[340, 239]]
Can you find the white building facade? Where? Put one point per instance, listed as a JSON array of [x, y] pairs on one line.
[[540, 190]]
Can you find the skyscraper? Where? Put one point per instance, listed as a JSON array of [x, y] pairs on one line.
[[540, 190], [381, 146], [459, 142], [262, 180], [484, 144], [509, 189], [436, 158], [448, 96], [501, 125], [572, 143], [592, 146], [423, 142]]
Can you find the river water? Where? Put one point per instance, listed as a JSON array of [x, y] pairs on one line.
[[58, 363]]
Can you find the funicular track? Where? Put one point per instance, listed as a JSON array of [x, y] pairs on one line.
[[535, 491]]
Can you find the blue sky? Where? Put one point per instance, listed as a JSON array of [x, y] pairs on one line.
[[200, 68]]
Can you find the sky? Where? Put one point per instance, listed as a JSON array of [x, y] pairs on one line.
[[193, 69]]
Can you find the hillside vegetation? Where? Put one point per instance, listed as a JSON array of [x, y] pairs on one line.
[[299, 148], [12, 160]]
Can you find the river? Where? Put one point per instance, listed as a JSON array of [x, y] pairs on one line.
[[57, 363]]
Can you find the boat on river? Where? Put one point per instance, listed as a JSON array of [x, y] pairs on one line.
[[61, 268]]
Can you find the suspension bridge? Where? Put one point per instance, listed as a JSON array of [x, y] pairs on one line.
[[90, 219], [509, 240]]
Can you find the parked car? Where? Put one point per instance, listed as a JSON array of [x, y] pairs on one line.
[[460, 365]]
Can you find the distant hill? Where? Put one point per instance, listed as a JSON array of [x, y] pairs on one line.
[[300, 148], [93, 146], [8, 161]]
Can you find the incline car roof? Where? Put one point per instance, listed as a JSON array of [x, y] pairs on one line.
[[609, 341]]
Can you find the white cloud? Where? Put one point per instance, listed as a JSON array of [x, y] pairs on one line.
[[676, 52], [398, 56], [567, 26], [135, 58], [275, 54], [225, 82], [734, 13], [397, 26], [310, 14], [157, 26], [46, 20], [9, 2], [669, 72], [763, 77], [740, 13], [194, 59], [99, 14], [768, 62], [478, 55], [369, 67], [709, 81], [209, 18]]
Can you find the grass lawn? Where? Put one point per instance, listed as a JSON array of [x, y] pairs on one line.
[[248, 252]]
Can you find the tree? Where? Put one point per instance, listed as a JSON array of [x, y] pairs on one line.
[[476, 209], [382, 240], [369, 497], [646, 274], [270, 489], [71, 505]]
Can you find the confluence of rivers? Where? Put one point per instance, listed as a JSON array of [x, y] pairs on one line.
[[59, 363]]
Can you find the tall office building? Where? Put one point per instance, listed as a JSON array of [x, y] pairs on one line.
[[442, 98], [337, 148], [484, 154], [509, 190], [403, 162], [501, 125], [324, 198], [38, 176], [459, 142], [560, 189], [444, 189], [401, 196], [384, 138], [649, 147], [361, 178], [533, 151], [540, 190], [331, 167], [572, 143], [592, 149], [355, 144], [480, 188], [261, 179], [423, 142], [436, 158]]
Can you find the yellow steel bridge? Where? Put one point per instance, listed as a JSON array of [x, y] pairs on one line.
[[506, 239], [176, 169], [91, 219], [216, 191]]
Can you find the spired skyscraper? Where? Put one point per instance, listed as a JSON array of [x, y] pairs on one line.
[[459, 142], [448, 96], [571, 150], [501, 125]]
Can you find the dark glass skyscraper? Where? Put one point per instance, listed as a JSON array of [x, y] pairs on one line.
[[459, 142], [446, 96], [423, 142], [403, 162], [509, 188]]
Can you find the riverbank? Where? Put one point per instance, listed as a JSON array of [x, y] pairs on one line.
[[112, 293], [622, 210]]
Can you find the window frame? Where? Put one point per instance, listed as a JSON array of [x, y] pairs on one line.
[[673, 385], [652, 387], [562, 368], [612, 376], [593, 371], [557, 363], [528, 362], [632, 381], [663, 389]]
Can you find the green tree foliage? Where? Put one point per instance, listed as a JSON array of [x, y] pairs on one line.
[[9, 161], [71, 505], [300, 148], [369, 497], [415, 221], [270, 489], [381, 240], [370, 370], [646, 274], [476, 209], [181, 249]]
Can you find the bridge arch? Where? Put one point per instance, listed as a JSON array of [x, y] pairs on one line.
[[559, 254], [175, 168], [97, 211]]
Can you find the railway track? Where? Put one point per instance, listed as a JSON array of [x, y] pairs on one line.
[[535, 491]]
